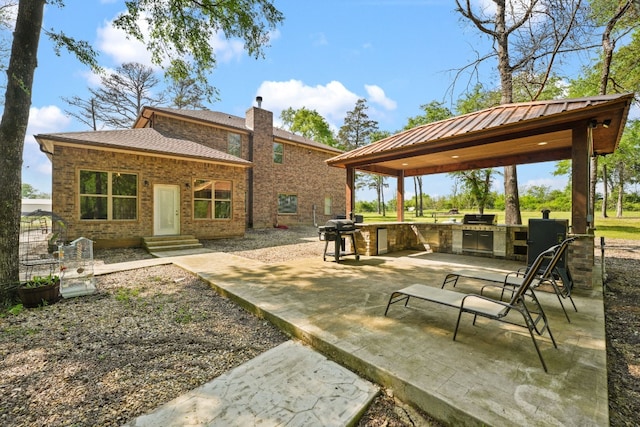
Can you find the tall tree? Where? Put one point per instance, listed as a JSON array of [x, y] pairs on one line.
[[6, 11], [527, 37], [478, 183], [119, 100], [310, 124], [180, 31], [189, 93], [625, 163], [374, 181], [357, 128], [617, 19]]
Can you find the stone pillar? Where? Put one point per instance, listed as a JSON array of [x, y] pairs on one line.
[[581, 259]]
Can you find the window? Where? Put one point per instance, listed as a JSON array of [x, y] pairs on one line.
[[327, 205], [234, 142], [287, 203], [211, 199], [108, 195], [278, 152]]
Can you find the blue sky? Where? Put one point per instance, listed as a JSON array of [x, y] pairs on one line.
[[327, 54]]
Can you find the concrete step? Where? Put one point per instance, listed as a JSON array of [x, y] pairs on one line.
[[173, 247], [170, 243], [288, 385]]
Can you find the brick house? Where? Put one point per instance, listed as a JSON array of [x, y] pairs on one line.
[[190, 172]]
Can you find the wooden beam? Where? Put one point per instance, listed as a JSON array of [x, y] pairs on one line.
[[581, 148], [350, 191], [400, 197]]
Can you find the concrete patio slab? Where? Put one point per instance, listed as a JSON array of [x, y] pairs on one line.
[[490, 375]]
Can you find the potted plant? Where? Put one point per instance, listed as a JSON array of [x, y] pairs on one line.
[[40, 290]]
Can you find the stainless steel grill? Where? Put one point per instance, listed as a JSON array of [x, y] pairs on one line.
[[477, 238], [337, 231], [479, 219]]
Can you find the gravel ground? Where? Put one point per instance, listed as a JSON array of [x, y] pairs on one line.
[[152, 334]]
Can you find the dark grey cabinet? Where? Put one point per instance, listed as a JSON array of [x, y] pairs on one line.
[[477, 240]]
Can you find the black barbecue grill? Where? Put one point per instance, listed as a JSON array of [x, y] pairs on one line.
[[337, 230]]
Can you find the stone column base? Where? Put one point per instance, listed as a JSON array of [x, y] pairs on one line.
[[581, 259]]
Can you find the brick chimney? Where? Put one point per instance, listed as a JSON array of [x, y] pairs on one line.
[[262, 199]]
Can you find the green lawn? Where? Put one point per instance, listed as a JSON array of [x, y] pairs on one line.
[[627, 227]]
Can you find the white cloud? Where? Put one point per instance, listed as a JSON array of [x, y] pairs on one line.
[[36, 167], [331, 101], [555, 183], [47, 120], [319, 39], [228, 50], [114, 43], [120, 48], [377, 96]]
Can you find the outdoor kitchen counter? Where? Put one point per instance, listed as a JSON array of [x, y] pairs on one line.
[[507, 241]]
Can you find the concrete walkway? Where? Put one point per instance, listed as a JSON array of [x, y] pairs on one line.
[[490, 375], [290, 385]]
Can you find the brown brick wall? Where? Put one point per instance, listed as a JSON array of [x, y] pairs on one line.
[[68, 161], [210, 136], [303, 172]]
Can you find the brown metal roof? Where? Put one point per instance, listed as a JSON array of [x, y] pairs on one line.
[[145, 140], [508, 134], [217, 118]]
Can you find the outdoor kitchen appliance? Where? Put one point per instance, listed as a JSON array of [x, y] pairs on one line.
[[479, 219], [475, 237], [544, 233], [336, 231]]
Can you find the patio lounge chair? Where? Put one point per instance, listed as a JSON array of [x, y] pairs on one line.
[[546, 274], [491, 308]]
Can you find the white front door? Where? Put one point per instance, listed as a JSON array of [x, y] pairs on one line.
[[166, 209]]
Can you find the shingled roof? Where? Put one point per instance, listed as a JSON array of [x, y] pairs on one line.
[[144, 140], [229, 121], [508, 134]]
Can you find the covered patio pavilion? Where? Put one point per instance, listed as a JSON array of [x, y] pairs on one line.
[[510, 134]]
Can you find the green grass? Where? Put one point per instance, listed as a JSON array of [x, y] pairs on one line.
[[627, 227]]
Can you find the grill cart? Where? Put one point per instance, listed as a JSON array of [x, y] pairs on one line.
[[337, 231]]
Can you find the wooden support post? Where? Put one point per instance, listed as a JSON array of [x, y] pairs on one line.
[[580, 155], [400, 196], [350, 191], [581, 255]]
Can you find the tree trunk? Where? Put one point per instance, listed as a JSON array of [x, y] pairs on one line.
[[620, 189], [13, 128], [593, 181], [511, 198], [605, 191], [608, 46], [420, 194], [415, 191], [384, 208]]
